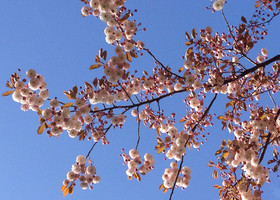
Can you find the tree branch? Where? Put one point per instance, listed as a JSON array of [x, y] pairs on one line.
[[256, 67], [138, 128]]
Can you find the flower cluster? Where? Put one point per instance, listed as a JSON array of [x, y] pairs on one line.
[[134, 162], [26, 93], [170, 176], [115, 15], [177, 140], [85, 174]]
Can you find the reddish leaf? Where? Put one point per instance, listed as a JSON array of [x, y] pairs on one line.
[[215, 174], [193, 33], [161, 187], [8, 93], [41, 129], [97, 59], [217, 186], [128, 56], [65, 192], [67, 105], [187, 35], [160, 149], [243, 19], [63, 187], [95, 66]]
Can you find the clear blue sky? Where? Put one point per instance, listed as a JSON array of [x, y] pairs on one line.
[[52, 38]]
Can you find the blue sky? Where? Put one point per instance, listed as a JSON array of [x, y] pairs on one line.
[[52, 38]]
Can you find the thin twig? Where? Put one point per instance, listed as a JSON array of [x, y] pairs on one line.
[[193, 129], [126, 93], [151, 54], [91, 149], [268, 139], [138, 128], [272, 99], [231, 33]]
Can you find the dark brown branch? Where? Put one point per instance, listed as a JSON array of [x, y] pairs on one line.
[[107, 129], [91, 149], [257, 66], [140, 103], [138, 128]]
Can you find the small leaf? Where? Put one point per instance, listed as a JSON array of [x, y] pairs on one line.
[[71, 189], [161, 187], [230, 128], [217, 186], [187, 35], [275, 168], [41, 129], [243, 105], [129, 177], [158, 131], [182, 120], [95, 66], [218, 152], [263, 116], [104, 55], [243, 19], [125, 17], [180, 69], [75, 89], [189, 51], [39, 111], [128, 56], [82, 135], [63, 187], [225, 154], [68, 95], [165, 190], [188, 43], [138, 177], [67, 105], [8, 93], [257, 5], [94, 82], [42, 120], [215, 174], [133, 54], [271, 161], [100, 52], [193, 33], [65, 192], [97, 59], [222, 118], [275, 154], [88, 85], [9, 85], [231, 103], [278, 5], [160, 149]]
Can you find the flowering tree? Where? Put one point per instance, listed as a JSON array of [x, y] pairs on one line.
[[215, 64]]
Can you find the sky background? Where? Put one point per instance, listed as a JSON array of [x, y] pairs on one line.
[[52, 38]]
